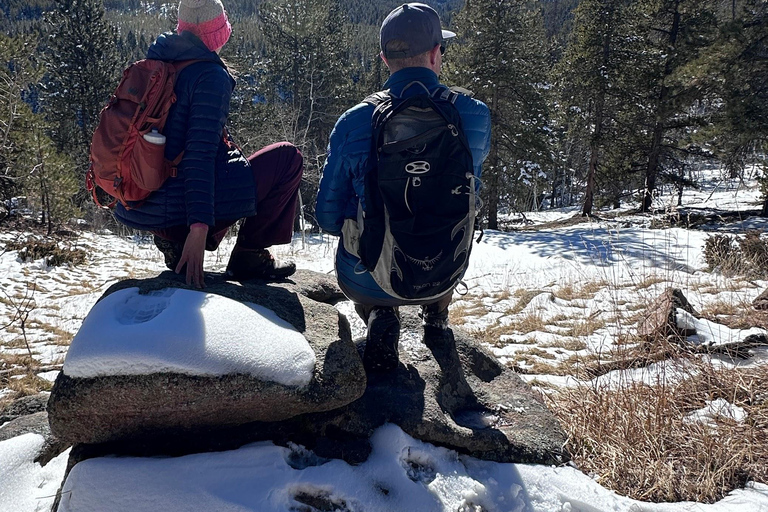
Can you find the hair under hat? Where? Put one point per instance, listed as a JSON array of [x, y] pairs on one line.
[[207, 19]]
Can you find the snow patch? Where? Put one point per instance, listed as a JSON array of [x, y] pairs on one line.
[[712, 334], [27, 486], [719, 408], [189, 332]]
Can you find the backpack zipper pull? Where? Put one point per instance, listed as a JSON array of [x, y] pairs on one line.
[[454, 130]]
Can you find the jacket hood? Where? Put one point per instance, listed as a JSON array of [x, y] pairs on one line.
[[170, 47]]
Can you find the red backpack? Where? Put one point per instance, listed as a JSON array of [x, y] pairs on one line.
[[124, 163]]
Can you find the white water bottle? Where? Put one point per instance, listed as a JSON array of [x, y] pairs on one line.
[[155, 137]]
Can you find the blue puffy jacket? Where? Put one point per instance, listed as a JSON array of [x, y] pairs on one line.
[[214, 181], [349, 153]]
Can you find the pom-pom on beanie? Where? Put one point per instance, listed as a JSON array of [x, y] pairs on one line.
[[207, 20]]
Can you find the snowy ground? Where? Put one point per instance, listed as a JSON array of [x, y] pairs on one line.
[[538, 298]]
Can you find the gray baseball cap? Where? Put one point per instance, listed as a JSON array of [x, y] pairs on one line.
[[417, 25]]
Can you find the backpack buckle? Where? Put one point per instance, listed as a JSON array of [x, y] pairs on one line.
[[118, 181]]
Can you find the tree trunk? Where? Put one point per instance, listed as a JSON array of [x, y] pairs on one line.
[[654, 154], [495, 179], [493, 199], [652, 170], [597, 135]]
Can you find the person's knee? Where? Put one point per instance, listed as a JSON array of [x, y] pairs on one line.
[[295, 159]]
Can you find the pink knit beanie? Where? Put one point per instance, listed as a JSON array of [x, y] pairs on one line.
[[207, 20]]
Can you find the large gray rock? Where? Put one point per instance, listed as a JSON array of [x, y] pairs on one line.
[[36, 423], [24, 406], [447, 390], [109, 408], [451, 392]]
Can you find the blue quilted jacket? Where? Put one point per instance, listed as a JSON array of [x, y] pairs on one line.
[[349, 153], [214, 180]]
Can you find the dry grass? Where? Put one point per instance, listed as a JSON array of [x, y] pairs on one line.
[[58, 335], [29, 384], [586, 327], [583, 291], [458, 315], [16, 360], [746, 318], [634, 438], [524, 298], [719, 308], [569, 344], [532, 322], [650, 281]]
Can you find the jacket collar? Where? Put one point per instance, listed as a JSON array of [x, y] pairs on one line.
[[401, 79], [172, 47]]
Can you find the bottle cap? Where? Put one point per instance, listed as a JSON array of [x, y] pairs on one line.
[[154, 137]]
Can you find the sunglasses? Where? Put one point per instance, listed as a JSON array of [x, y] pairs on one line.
[[442, 49]]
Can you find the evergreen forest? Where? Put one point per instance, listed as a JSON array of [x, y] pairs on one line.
[[595, 103]]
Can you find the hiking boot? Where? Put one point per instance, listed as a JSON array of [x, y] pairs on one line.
[[435, 316], [381, 353], [171, 251], [245, 264]]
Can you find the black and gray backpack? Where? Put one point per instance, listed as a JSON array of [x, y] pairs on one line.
[[415, 235]]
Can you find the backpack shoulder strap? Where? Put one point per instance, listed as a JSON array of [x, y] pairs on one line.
[[180, 65], [446, 94], [463, 91], [377, 98]]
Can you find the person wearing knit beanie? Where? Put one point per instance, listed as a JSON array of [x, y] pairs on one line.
[[207, 19]]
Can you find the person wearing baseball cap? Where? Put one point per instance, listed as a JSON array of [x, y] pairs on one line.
[[411, 30], [412, 46], [216, 184]]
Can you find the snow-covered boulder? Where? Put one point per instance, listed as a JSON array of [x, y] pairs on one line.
[[156, 358], [448, 391]]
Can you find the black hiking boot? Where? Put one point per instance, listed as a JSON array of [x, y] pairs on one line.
[[245, 264], [381, 354], [171, 251], [435, 316]]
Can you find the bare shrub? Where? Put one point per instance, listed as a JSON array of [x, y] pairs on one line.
[[54, 252], [730, 255], [720, 252], [754, 247]]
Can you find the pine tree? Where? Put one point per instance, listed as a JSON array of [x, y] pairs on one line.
[[18, 75], [500, 55], [50, 184], [663, 80], [306, 80], [739, 64], [82, 64], [590, 98]]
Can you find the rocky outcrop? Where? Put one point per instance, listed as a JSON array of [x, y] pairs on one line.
[[24, 406], [119, 407], [447, 390]]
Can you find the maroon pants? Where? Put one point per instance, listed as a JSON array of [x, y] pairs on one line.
[[277, 171]]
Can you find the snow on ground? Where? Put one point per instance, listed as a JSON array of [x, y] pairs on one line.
[[24, 484], [401, 474], [189, 332], [539, 299]]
